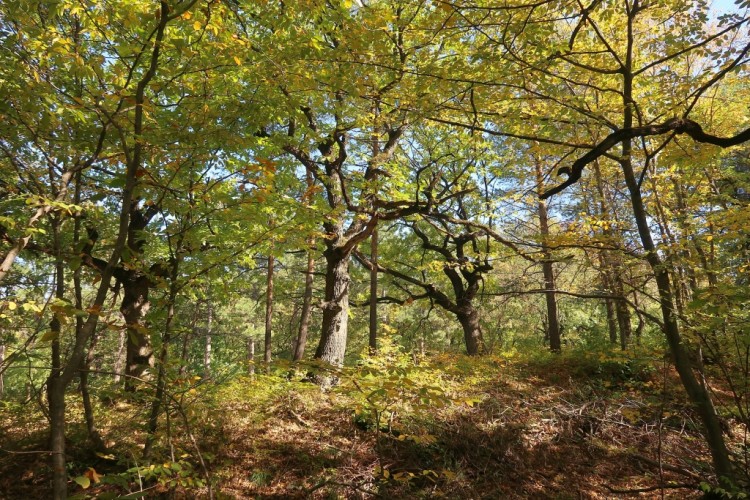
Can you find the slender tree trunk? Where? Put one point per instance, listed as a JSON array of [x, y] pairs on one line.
[[56, 400], [304, 320], [161, 377], [622, 312], [88, 407], [120, 361], [608, 303], [696, 392], [60, 377], [553, 323], [2, 360], [269, 314], [55, 384], [207, 351], [611, 321], [332, 346], [611, 268], [251, 356], [374, 292]]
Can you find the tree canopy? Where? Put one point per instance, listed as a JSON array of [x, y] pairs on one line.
[[491, 177]]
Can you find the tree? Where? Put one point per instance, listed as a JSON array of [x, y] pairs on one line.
[[330, 125], [638, 20]]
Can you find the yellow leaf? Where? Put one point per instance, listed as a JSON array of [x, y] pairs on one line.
[[12, 306], [93, 475], [186, 15], [197, 25]]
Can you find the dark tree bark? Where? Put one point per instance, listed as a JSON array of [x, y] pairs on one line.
[[88, 407], [468, 316], [332, 346], [135, 304], [136, 285], [55, 384]]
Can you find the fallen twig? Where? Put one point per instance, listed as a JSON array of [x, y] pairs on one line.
[[635, 491], [300, 420], [672, 468]]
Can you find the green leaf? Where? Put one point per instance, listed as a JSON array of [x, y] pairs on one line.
[[49, 336], [83, 481]]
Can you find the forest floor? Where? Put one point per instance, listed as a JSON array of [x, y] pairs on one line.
[[574, 426]]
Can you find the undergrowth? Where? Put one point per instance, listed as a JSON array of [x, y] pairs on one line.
[[505, 426]]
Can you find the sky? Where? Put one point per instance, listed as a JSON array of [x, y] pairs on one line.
[[723, 6]]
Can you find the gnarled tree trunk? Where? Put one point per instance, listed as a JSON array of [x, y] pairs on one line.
[[139, 355], [468, 316], [332, 346]]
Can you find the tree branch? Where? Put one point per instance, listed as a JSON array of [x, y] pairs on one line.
[[675, 125]]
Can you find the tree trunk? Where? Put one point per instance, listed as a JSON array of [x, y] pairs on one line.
[[618, 315], [622, 312], [608, 303], [251, 356], [119, 367], [304, 320], [553, 323], [88, 408], [139, 355], [468, 316], [2, 360], [611, 321], [207, 351], [332, 346], [161, 377], [55, 384], [374, 292], [269, 314], [56, 400], [696, 392]]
